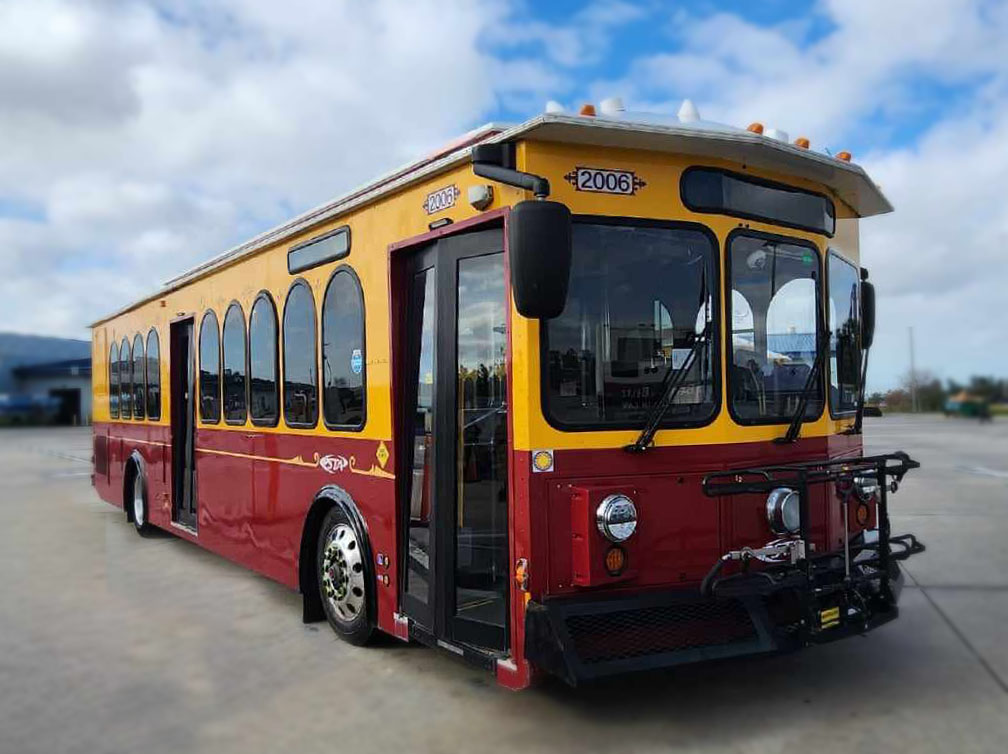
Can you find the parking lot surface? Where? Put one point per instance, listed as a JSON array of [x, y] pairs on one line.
[[114, 643]]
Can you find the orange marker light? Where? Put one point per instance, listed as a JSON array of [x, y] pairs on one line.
[[615, 560], [845, 156], [587, 109], [756, 128], [801, 142]]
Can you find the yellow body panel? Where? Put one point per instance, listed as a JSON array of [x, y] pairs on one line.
[[401, 215]]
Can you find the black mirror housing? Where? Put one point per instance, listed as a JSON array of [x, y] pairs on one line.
[[539, 253], [867, 314]]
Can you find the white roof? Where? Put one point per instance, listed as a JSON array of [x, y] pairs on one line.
[[627, 130]]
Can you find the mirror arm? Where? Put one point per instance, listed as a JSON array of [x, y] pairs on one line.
[[488, 162]]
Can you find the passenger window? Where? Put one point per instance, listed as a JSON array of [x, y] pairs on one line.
[[209, 372], [263, 387], [113, 387], [125, 380], [153, 375], [343, 352], [299, 361], [235, 411], [139, 387]]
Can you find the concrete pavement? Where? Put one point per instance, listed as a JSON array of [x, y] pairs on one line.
[[114, 643]]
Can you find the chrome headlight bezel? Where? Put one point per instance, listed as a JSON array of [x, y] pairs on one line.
[[783, 509], [616, 517]]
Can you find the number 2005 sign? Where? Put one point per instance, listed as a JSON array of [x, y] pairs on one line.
[[605, 181]]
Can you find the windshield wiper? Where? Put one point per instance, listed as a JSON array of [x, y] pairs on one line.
[[671, 382], [810, 384]]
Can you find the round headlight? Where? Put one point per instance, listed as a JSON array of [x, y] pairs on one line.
[[616, 517], [783, 511]]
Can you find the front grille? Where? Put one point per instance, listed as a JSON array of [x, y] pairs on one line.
[[626, 634]]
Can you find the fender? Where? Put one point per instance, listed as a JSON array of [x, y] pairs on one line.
[[330, 496]]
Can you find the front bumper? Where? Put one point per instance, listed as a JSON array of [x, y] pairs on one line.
[[586, 638]]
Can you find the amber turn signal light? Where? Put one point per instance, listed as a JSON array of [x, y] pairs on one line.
[[615, 560]]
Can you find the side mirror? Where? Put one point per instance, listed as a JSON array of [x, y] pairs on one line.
[[539, 252], [867, 314]]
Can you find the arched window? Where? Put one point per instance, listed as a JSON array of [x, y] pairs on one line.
[[343, 373], [139, 388], [299, 361], [125, 380], [263, 382], [113, 381], [209, 370], [235, 410], [153, 375]]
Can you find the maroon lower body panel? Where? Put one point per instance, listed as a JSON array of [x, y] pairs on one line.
[[254, 491]]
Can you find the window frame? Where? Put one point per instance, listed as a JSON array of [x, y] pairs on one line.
[[138, 338], [359, 427], [833, 252], [820, 324], [122, 414], [714, 284], [113, 412], [199, 369], [264, 295], [235, 304], [756, 181], [282, 336], [157, 366]]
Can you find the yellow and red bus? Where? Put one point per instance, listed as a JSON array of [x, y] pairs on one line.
[[578, 396]]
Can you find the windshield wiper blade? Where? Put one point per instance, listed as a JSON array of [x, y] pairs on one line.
[[673, 380], [810, 384]]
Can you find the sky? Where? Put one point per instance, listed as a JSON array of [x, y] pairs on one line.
[[139, 138]]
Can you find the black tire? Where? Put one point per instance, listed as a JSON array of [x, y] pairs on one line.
[[136, 498], [343, 571]]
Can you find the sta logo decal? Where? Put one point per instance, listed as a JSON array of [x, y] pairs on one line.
[[442, 199], [333, 464], [605, 181]]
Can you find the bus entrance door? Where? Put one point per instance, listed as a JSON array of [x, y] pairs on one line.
[[183, 385], [455, 440]]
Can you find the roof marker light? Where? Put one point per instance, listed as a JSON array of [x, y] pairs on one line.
[[688, 112], [611, 106], [755, 127], [801, 142], [555, 108], [776, 133], [587, 109], [845, 156]]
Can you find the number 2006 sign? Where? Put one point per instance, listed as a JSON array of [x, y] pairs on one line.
[[604, 181]]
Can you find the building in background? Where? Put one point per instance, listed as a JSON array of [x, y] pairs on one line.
[[44, 380]]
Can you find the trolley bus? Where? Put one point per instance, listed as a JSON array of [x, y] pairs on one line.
[[578, 396]]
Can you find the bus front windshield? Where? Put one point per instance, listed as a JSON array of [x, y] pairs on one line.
[[773, 315], [640, 298]]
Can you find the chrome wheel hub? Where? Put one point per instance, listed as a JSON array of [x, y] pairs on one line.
[[138, 503], [342, 574]]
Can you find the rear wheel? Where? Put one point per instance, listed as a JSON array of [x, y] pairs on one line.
[[138, 502], [343, 578]]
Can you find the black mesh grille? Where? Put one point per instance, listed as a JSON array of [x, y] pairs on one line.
[[625, 634]]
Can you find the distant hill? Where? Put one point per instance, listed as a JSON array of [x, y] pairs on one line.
[[21, 350]]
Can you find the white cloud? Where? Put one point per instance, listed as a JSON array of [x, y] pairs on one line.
[[155, 134]]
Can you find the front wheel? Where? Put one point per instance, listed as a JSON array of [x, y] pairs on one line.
[[342, 577]]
